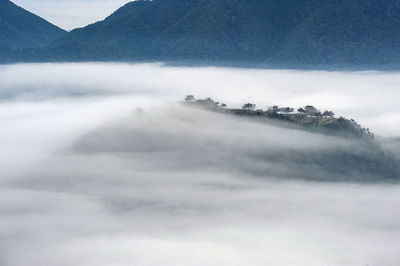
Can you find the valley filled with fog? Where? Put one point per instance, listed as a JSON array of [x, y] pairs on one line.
[[88, 180]]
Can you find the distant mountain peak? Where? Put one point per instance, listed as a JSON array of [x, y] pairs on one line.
[[21, 29]]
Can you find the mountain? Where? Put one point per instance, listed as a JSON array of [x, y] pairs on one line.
[[347, 32], [21, 29], [299, 33], [186, 30]]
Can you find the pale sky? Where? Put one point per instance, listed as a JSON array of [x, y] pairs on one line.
[[70, 14]]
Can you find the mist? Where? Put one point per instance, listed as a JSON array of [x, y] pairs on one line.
[[87, 180]]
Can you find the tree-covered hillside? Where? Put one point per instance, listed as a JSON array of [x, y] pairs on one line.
[[21, 29], [186, 30], [283, 33], [346, 32]]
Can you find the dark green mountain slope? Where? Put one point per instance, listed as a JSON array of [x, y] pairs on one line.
[[21, 29], [347, 32], [191, 29], [286, 32]]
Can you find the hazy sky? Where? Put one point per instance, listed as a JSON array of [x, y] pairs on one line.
[[70, 14]]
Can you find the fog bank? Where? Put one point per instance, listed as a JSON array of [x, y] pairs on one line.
[[368, 97], [86, 180]]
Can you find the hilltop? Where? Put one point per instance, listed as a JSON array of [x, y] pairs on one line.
[[21, 29], [349, 152], [305, 118]]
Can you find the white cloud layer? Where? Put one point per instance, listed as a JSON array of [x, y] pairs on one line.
[[85, 181], [369, 97]]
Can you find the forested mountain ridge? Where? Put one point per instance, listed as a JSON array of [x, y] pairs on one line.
[[21, 29], [359, 33], [185, 30]]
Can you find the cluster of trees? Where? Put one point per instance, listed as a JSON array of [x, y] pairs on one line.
[[249, 106], [277, 109], [312, 111], [308, 110], [207, 102]]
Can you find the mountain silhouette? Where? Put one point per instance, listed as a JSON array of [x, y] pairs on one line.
[[21, 29], [298, 33]]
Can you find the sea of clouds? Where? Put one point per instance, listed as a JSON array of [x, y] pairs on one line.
[[86, 180]]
